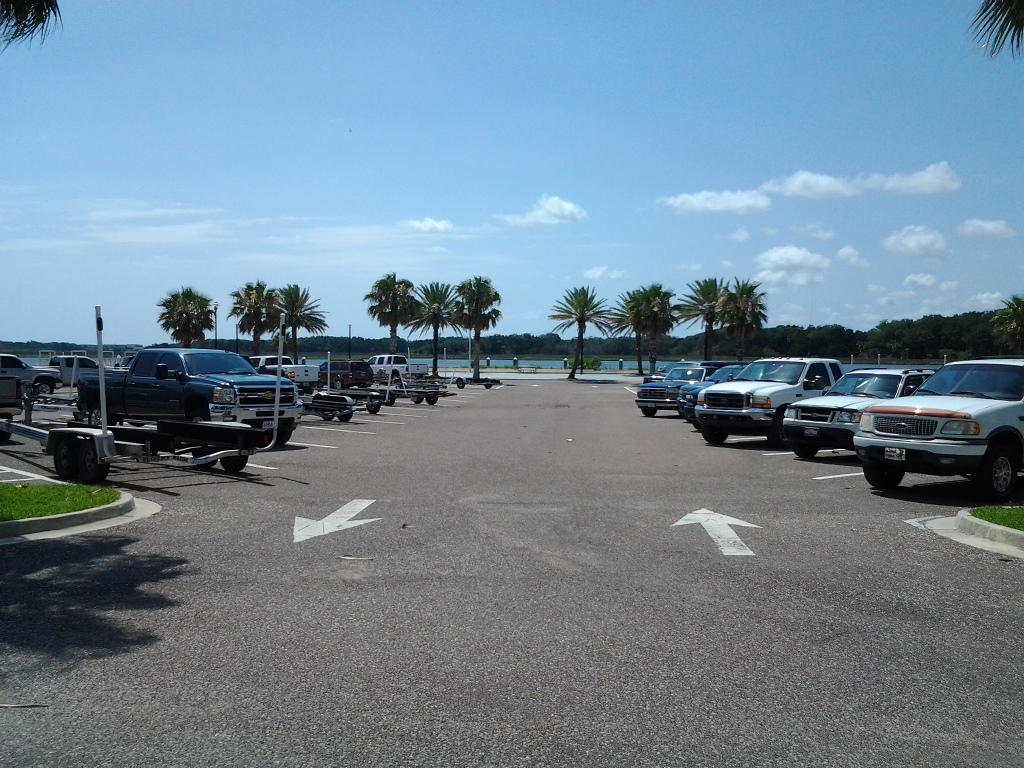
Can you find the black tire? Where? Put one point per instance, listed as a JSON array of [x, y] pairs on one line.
[[649, 411], [391, 400], [90, 469], [92, 417], [431, 401], [713, 435], [487, 385], [460, 383], [344, 417], [417, 400], [199, 414], [44, 387], [882, 477], [372, 408], [284, 435], [776, 437], [234, 464], [337, 383], [327, 415], [65, 459], [996, 478], [804, 451]]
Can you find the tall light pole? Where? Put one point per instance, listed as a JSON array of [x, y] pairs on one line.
[[216, 344], [350, 341], [236, 338], [707, 330]]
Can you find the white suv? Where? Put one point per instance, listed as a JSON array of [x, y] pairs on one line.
[[830, 421], [967, 419]]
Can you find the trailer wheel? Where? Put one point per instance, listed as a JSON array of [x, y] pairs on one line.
[[372, 408], [327, 415], [460, 383], [90, 469], [417, 399], [198, 453], [487, 385], [234, 463], [65, 459], [392, 399], [431, 401], [284, 435], [347, 416]]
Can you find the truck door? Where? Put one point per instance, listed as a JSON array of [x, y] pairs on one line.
[[141, 389], [168, 392]]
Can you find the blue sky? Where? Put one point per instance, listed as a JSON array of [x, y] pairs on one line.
[[861, 160]]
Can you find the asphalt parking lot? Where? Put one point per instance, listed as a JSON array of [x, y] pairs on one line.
[[498, 580]]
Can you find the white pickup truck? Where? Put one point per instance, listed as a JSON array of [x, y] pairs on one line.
[[391, 367], [966, 419], [70, 366], [43, 380], [304, 376], [755, 402]]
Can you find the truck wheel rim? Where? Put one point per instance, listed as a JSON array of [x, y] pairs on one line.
[[1002, 474]]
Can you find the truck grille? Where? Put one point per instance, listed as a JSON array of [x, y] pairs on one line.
[[817, 415], [723, 400], [654, 393], [904, 425], [264, 396]]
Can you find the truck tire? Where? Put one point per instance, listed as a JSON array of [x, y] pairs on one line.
[[776, 437], [234, 464], [881, 477], [65, 459], [713, 435], [649, 411], [996, 478], [199, 414], [90, 469], [372, 408], [284, 435], [804, 451], [44, 387], [92, 417]]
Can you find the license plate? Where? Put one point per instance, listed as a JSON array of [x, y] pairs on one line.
[[810, 431], [268, 424], [896, 454]]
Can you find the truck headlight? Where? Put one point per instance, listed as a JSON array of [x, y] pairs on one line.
[[223, 395], [847, 417], [700, 398], [790, 413], [760, 401], [958, 427], [290, 374], [867, 422]]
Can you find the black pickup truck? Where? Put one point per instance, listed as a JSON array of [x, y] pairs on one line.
[[195, 385]]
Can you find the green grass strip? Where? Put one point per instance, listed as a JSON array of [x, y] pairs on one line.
[[1010, 517], [18, 502]]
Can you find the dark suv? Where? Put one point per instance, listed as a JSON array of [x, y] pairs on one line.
[[346, 374]]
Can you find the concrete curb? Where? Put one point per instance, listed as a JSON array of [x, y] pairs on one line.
[[9, 528], [972, 526]]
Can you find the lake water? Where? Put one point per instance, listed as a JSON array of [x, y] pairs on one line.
[[504, 362]]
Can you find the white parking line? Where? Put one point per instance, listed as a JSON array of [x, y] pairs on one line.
[[29, 475], [784, 453], [832, 477], [310, 445], [628, 389], [746, 439], [376, 421], [258, 466], [335, 429]]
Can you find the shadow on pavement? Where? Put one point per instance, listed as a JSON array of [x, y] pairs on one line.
[[61, 598]]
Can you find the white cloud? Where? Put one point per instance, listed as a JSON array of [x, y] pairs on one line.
[[936, 178], [742, 201], [740, 235], [949, 285], [920, 280], [598, 273], [812, 185], [429, 225], [816, 231], [849, 255], [990, 300], [549, 210], [916, 240], [872, 288], [789, 264], [985, 228], [894, 298]]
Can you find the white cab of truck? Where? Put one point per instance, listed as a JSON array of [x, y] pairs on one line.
[[394, 367], [305, 376], [755, 402], [966, 419]]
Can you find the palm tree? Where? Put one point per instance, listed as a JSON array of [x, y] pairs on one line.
[[392, 304], [701, 304], [1009, 322], [476, 310], [628, 317], [743, 311], [580, 307], [998, 22], [660, 316], [258, 310], [300, 312], [24, 19], [435, 309], [186, 314]]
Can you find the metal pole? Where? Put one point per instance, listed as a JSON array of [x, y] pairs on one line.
[[350, 341], [216, 344], [236, 338]]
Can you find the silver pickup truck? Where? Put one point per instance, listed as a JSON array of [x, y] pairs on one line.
[[43, 380]]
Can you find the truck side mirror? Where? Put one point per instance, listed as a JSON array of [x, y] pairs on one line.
[[161, 371], [730, 377]]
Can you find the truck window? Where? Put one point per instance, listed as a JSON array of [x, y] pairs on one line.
[[837, 372], [145, 364], [171, 360], [817, 369], [400, 360]]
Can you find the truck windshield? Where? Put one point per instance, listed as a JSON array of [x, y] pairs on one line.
[[866, 385], [217, 362], [684, 374], [786, 371], [986, 380]]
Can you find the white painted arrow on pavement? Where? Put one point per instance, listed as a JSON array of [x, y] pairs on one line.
[[719, 527], [336, 521]]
